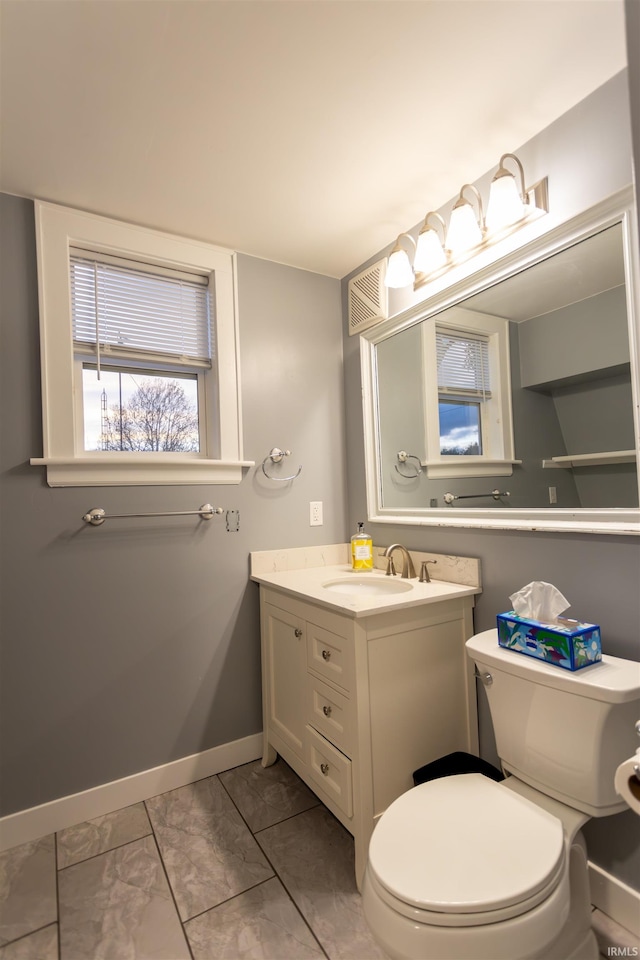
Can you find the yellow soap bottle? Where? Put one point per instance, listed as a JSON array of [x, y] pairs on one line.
[[361, 550]]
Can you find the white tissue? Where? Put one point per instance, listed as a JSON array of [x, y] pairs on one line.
[[539, 601]]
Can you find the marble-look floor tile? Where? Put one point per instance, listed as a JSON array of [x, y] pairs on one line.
[[313, 856], [261, 924], [41, 945], [27, 888], [208, 852], [92, 837], [118, 906], [267, 795]]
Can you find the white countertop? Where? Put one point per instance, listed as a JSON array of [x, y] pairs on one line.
[[307, 584]]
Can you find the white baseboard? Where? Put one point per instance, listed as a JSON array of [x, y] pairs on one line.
[[39, 821], [615, 898]]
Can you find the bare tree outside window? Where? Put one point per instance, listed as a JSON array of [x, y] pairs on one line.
[[158, 416]]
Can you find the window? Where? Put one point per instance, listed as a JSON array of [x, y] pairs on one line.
[[139, 363], [463, 387], [467, 396], [147, 332]]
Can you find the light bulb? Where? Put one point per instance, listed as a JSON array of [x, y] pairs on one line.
[[505, 203], [399, 271], [430, 254], [464, 231]]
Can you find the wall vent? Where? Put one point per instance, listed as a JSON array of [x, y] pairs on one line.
[[368, 298]]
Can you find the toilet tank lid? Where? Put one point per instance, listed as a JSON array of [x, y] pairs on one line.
[[613, 679]]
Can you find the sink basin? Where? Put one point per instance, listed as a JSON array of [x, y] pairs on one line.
[[367, 586]]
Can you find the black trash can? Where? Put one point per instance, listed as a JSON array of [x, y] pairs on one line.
[[455, 763]]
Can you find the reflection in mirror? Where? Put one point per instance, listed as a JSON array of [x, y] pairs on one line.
[[519, 397]]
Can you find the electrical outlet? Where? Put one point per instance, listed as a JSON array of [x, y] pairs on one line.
[[315, 513], [553, 495]]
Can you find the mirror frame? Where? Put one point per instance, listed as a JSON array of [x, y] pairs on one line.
[[463, 282]]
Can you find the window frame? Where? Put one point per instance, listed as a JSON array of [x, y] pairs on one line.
[[497, 460], [220, 459]]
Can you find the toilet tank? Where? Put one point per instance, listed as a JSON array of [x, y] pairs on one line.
[[563, 733]]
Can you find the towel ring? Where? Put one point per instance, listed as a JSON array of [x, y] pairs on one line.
[[276, 455], [403, 456]]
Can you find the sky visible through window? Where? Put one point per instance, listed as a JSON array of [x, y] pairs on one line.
[[115, 388], [459, 428]]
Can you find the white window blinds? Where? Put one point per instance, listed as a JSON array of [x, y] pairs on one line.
[[130, 309], [463, 363]]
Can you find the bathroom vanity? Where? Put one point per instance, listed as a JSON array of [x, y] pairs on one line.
[[364, 677]]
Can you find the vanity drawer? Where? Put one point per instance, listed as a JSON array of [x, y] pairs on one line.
[[330, 771], [329, 655], [330, 713]]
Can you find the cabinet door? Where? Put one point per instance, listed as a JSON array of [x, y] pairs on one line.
[[285, 676], [418, 703]]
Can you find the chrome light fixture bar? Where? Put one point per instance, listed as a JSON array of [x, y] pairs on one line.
[[439, 247]]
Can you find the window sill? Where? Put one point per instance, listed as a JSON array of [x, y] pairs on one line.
[[448, 470], [139, 470]]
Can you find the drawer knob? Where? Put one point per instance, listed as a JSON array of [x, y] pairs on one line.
[[325, 769], [297, 632], [326, 654], [326, 710]]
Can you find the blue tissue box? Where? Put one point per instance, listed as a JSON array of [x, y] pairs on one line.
[[564, 643]]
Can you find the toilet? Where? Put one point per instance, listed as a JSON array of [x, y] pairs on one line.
[[467, 868]]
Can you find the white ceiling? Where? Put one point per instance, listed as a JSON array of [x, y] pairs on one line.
[[309, 133], [581, 271]]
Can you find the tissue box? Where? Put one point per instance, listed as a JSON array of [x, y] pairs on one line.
[[564, 643]]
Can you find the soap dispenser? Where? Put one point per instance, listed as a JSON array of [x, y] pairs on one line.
[[361, 550]]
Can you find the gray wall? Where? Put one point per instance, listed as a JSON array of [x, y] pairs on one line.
[[133, 644], [576, 341], [599, 575], [538, 436], [401, 416], [579, 357]]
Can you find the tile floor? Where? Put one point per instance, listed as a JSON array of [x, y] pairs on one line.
[[246, 864]]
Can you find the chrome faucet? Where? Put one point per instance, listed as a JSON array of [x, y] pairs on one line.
[[408, 570]]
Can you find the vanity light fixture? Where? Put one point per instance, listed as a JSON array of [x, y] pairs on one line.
[[507, 203], [466, 228], [510, 207], [431, 254], [399, 269]]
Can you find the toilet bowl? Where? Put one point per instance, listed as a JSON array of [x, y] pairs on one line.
[[496, 886]]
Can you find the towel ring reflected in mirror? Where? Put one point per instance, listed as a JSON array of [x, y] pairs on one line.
[[403, 457]]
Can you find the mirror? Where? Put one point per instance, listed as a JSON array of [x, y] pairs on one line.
[[508, 399]]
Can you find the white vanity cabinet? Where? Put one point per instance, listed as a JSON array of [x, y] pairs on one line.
[[355, 704]]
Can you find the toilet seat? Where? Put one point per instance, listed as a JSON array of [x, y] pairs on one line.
[[464, 851]]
